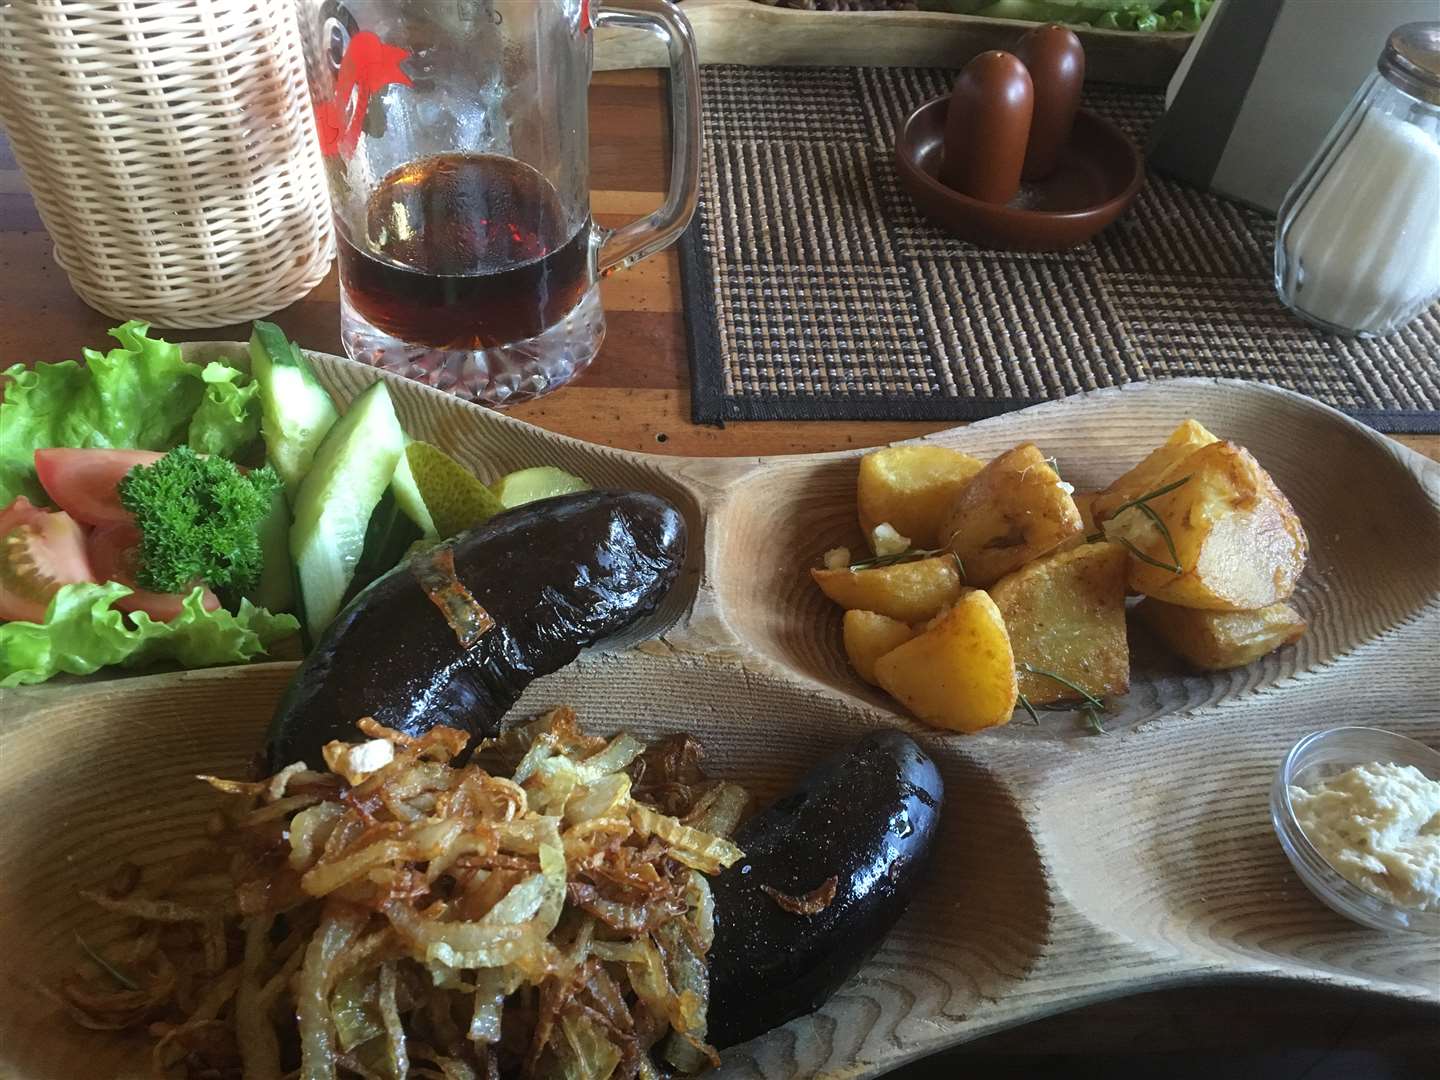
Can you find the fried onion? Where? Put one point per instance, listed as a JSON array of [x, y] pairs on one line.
[[400, 917]]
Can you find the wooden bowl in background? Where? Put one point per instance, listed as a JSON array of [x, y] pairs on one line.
[[1099, 173]]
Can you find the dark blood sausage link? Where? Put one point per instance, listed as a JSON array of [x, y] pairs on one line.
[[555, 576], [866, 817]]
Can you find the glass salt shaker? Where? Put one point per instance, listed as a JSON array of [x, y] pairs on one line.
[[1357, 244]]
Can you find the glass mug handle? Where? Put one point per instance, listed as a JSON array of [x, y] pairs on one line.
[[644, 236]]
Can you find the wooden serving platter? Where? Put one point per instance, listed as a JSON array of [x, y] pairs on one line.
[[1071, 866], [742, 32]]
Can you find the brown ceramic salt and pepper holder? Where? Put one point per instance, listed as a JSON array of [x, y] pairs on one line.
[[1008, 160]]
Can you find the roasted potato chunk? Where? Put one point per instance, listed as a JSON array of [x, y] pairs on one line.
[[1014, 511], [1218, 640], [912, 488], [1159, 468], [1085, 503], [869, 636], [1066, 614], [908, 592], [959, 674], [1238, 544]]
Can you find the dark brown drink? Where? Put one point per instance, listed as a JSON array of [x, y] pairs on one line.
[[465, 251]]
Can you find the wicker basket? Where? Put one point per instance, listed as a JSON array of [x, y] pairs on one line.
[[170, 147]]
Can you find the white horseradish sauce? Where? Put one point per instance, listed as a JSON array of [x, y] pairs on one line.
[[1379, 826]]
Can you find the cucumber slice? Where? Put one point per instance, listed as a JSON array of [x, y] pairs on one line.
[[275, 590], [388, 539], [295, 411], [540, 482], [350, 473], [408, 498]]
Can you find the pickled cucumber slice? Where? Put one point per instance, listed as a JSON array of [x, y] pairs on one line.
[[456, 499], [408, 497], [541, 482]]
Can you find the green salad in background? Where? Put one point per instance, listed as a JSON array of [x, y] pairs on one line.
[[158, 510], [1142, 15]]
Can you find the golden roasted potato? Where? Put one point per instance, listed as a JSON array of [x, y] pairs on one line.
[[912, 488], [960, 673], [1014, 511], [909, 592], [869, 636], [1154, 472], [1238, 544], [1217, 640], [1066, 613], [1085, 503]]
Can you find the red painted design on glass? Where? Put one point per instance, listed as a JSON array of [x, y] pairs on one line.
[[367, 66]]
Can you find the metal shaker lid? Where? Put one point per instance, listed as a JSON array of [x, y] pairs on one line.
[[1411, 60]]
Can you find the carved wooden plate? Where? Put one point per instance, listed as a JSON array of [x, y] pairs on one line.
[[1070, 867], [743, 32]]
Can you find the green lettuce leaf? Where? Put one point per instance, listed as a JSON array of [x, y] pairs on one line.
[[228, 417], [1141, 15], [83, 632], [140, 395], [37, 404]]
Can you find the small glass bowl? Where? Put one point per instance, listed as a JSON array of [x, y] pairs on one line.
[[1315, 758]]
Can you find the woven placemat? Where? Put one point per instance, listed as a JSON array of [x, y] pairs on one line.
[[815, 290]]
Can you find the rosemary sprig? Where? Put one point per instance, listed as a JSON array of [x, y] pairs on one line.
[[1145, 509], [105, 965], [1151, 495], [1091, 701], [1174, 568], [913, 555], [1025, 704], [1092, 717], [1143, 505], [1090, 708]]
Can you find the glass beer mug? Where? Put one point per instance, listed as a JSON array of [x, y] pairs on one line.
[[456, 146]]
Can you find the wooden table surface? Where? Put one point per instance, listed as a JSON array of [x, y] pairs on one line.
[[636, 396]]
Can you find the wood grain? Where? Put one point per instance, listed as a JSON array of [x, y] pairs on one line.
[[42, 319], [741, 32], [1072, 868]]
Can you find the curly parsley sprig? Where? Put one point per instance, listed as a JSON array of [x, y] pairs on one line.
[[199, 519]]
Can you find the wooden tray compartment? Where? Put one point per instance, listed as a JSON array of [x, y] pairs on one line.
[[1366, 573], [1071, 867]]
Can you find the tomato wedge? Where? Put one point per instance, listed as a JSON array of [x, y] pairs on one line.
[[21, 511], [115, 553], [39, 552], [84, 483]]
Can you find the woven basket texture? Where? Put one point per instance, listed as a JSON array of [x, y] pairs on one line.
[[171, 151]]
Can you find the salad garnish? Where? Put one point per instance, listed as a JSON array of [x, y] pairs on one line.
[[199, 518], [155, 509]]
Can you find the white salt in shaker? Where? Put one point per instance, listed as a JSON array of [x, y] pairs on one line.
[[1357, 245]]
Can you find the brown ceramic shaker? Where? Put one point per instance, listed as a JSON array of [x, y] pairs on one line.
[[1056, 61], [987, 127]]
